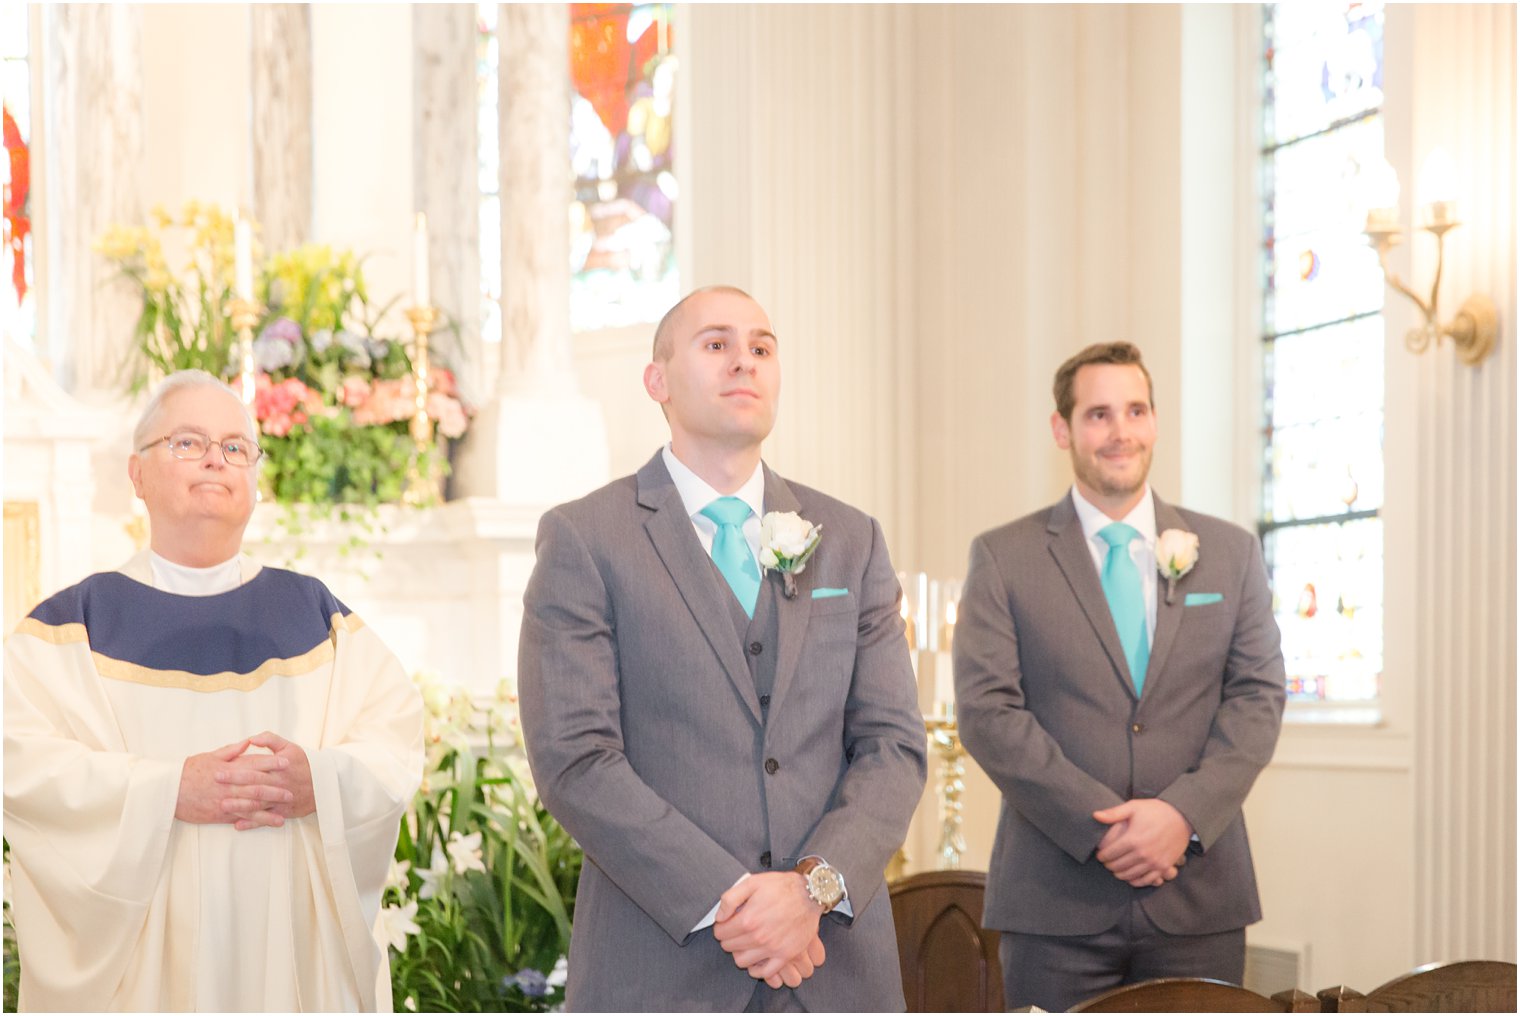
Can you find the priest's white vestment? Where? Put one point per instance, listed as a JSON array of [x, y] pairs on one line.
[[109, 686]]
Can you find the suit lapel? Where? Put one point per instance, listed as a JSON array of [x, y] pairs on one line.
[[791, 614], [1168, 616], [671, 532], [1069, 547]]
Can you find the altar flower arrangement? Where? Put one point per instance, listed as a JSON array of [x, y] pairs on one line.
[[335, 392], [478, 905]]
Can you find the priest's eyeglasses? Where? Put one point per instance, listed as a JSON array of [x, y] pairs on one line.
[[192, 447]]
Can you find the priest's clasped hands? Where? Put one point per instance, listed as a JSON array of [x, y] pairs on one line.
[[259, 781], [769, 924]]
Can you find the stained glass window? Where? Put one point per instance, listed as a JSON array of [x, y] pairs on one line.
[[488, 168], [622, 246], [20, 311], [1323, 338]]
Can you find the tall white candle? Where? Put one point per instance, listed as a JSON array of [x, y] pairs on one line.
[[242, 241], [944, 685], [421, 292]]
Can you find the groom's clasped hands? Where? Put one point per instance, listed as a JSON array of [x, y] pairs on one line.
[[769, 924]]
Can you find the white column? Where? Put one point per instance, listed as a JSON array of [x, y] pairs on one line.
[[1452, 552], [281, 124], [92, 99], [444, 171], [540, 441]]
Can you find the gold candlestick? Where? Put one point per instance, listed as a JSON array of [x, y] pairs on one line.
[[946, 739], [422, 482], [245, 314]]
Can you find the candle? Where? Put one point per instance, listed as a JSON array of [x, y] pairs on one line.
[[421, 292], [951, 608], [242, 238], [907, 616], [944, 686]]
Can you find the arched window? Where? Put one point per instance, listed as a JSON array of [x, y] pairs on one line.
[[1323, 338], [621, 149]]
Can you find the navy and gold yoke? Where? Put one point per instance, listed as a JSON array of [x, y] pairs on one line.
[[277, 624]]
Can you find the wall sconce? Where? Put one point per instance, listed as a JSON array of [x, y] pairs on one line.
[[1476, 325]]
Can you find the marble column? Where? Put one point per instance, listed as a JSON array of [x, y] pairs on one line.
[[540, 441], [92, 96], [535, 197], [281, 127], [444, 177]]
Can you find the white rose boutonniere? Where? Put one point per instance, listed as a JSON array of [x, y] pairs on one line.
[[787, 540], [1176, 553]]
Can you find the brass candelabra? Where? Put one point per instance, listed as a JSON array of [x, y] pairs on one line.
[[422, 478], [245, 314], [944, 736]]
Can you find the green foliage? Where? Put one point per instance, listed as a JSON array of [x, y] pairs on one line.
[[485, 875], [12, 956]]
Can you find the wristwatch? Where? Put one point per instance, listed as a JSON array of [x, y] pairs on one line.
[[824, 884]]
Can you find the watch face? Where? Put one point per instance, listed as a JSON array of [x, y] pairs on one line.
[[824, 885]]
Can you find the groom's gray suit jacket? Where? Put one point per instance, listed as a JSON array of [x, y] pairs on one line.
[[684, 745], [1047, 707]]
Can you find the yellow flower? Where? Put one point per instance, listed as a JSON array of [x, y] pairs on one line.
[[157, 280], [161, 217], [120, 242], [191, 212]]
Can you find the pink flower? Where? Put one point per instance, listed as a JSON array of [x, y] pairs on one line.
[[277, 424], [441, 379], [353, 391], [449, 414]]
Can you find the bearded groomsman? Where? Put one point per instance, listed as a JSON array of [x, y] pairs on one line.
[[1119, 676]]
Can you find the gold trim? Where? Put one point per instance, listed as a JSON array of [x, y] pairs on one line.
[[295, 666], [56, 634], [134, 673], [23, 559]]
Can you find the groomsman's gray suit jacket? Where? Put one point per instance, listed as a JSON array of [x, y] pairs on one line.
[[684, 744], [1047, 708]]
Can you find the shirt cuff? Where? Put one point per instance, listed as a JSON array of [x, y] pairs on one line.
[[712, 915]]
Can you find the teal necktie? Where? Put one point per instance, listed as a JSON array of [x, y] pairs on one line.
[[1126, 599], [730, 550]]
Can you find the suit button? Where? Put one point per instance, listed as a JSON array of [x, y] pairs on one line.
[[771, 765], [765, 700], [1137, 727], [755, 648], [765, 859]]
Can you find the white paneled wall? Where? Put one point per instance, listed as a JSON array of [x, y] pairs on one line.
[[801, 191], [1462, 573]]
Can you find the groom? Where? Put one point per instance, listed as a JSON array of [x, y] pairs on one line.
[[738, 751]]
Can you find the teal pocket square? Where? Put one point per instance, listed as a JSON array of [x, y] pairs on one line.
[[824, 592], [1199, 599]]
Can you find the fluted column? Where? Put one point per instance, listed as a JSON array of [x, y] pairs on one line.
[[1453, 551], [535, 197], [93, 96], [280, 63], [444, 173]]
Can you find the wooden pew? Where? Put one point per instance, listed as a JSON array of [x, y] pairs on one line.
[[1195, 994], [1471, 986], [949, 962]]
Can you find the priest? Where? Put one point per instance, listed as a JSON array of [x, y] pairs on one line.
[[205, 761]]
